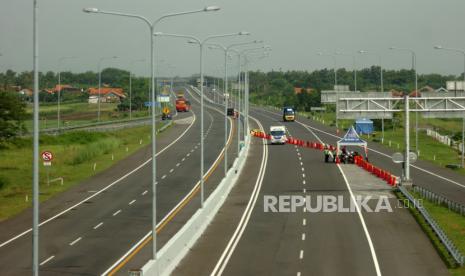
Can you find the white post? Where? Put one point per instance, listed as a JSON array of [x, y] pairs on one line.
[[407, 140], [35, 154]]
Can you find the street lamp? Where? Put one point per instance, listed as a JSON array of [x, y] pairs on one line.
[[438, 47], [151, 25], [130, 86], [226, 49], [60, 60], [354, 68], [239, 84], [201, 45], [335, 64], [414, 65], [382, 88], [100, 82]]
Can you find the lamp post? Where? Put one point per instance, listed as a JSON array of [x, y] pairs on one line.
[[35, 142], [130, 86], [226, 49], [438, 47], [354, 68], [100, 82], [335, 65], [414, 65], [152, 25], [60, 60], [201, 45], [382, 88]]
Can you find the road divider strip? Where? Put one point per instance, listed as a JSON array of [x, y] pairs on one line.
[[181, 204]]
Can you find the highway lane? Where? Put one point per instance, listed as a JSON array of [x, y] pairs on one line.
[[212, 180], [396, 238], [304, 243], [334, 243], [91, 237], [439, 180]]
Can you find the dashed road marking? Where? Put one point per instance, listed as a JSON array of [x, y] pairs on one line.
[[164, 176], [303, 236], [304, 182], [304, 222], [98, 225], [303, 175], [299, 274], [303, 169], [47, 260], [301, 163], [132, 202], [75, 241], [177, 165], [144, 192], [117, 212], [188, 154], [183, 159], [301, 255], [305, 190], [172, 170]]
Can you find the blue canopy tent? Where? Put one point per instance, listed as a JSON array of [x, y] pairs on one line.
[[351, 138], [364, 126]]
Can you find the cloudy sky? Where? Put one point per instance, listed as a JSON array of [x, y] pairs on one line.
[[296, 30]]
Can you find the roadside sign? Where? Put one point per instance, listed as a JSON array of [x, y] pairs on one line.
[[163, 99], [317, 108], [397, 157], [148, 104], [47, 156], [47, 163], [412, 157]]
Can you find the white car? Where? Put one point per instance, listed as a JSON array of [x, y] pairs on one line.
[[278, 135]]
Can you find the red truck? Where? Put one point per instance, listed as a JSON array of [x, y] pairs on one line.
[[182, 105]]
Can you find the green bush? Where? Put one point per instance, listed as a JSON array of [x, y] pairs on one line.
[[92, 150], [3, 182]]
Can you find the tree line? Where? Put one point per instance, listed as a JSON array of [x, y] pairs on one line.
[[277, 87]]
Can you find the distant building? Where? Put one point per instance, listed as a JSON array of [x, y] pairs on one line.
[[64, 88], [107, 95], [299, 90]]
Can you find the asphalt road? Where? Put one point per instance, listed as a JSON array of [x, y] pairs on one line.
[[425, 174], [304, 243], [89, 237]]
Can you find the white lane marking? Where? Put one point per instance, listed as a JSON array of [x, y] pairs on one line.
[[188, 154], [47, 260], [144, 192], [183, 159], [298, 153], [117, 212], [304, 209], [305, 190], [172, 170], [177, 165], [301, 254], [132, 202], [303, 175], [304, 222], [365, 229], [299, 274], [303, 236], [304, 182], [300, 158], [193, 150], [228, 251], [98, 225], [301, 163], [103, 189], [75, 241], [164, 176], [303, 169], [175, 207]]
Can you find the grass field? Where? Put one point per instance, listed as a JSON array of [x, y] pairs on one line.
[[74, 114], [75, 154], [452, 224]]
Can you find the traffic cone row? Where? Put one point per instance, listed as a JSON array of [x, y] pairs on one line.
[[380, 173], [358, 160]]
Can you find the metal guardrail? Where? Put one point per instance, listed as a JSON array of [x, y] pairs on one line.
[[451, 248], [440, 200]]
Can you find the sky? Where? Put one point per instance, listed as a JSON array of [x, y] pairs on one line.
[[295, 29]]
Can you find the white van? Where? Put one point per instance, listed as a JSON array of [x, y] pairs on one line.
[[278, 135]]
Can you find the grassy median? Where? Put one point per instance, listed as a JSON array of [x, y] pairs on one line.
[[75, 155]]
